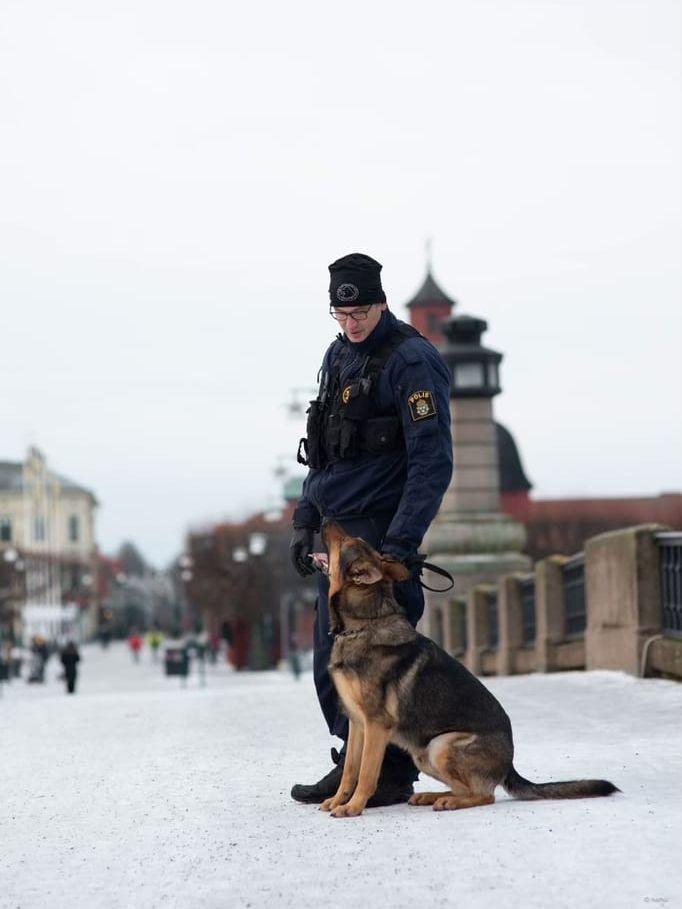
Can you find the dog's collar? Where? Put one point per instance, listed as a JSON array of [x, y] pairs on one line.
[[348, 633]]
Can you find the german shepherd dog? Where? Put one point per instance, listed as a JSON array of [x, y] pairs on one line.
[[398, 686]]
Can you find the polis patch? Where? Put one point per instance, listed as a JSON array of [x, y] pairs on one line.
[[421, 405]]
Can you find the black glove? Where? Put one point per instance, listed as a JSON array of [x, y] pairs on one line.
[[300, 548], [399, 550], [411, 559]]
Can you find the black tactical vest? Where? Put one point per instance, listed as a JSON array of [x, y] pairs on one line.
[[343, 421]]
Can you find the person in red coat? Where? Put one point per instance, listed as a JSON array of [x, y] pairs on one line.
[[135, 644]]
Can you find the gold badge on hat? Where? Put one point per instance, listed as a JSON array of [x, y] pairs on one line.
[[421, 405]]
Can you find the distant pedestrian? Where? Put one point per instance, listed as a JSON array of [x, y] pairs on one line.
[[135, 645], [5, 662], [154, 640], [40, 653], [294, 656], [70, 659], [214, 646]]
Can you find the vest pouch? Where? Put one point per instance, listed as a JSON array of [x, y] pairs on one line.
[[332, 439], [382, 434], [314, 448], [350, 439], [356, 401]]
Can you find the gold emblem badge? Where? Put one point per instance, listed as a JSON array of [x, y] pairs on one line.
[[421, 405], [345, 394]]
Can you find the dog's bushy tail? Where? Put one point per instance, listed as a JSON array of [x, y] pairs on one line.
[[519, 788]]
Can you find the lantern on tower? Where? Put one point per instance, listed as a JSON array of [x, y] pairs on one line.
[[474, 368]]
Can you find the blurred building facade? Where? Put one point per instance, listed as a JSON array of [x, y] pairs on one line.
[[47, 552]]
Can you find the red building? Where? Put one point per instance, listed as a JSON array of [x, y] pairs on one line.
[[244, 589]]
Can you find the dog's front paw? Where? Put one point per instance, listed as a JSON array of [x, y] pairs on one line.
[[328, 804], [348, 810]]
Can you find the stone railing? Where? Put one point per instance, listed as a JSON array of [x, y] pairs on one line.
[[617, 605]]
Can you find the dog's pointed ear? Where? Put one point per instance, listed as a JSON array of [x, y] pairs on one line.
[[365, 573], [394, 570]]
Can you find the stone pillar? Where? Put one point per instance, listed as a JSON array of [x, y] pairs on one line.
[[447, 626], [477, 628], [434, 623], [549, 610], [455, 620], [510, 620], [622, 585]]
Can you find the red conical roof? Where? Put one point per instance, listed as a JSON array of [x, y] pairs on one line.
[[429, 294]]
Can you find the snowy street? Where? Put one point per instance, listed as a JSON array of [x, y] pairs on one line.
[[136, 792]]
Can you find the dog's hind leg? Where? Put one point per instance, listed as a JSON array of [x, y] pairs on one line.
[[426, 798], [424, 761], [373, 750], [452, 802], [351, 767], [429, 798], [469, 764]]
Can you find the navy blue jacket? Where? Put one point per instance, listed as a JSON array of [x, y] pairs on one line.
[[407, 484]]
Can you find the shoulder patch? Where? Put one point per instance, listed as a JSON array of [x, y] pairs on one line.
[[421, 405]]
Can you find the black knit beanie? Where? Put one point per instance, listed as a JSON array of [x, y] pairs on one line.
[[355, 280]]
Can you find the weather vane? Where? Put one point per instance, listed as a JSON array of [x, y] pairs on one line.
[[428, 245]]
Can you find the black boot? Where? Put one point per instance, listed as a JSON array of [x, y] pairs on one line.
[[396, 779], [316, 793], [394, 787], [390, 793]]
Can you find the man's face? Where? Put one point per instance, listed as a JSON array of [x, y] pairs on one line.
[[358, 329]]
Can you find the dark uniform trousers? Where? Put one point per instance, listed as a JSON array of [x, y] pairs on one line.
[[408, 594]]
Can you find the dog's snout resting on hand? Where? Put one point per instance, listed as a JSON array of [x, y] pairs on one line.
[[398, 686]]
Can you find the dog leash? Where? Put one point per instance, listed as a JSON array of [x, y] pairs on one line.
[[419, 562]]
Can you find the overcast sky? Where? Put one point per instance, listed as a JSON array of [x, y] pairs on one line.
[[176, 177]]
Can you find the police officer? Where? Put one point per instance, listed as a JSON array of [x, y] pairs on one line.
[[379, 452]]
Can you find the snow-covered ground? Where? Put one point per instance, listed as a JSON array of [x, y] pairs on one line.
[[139, 793]]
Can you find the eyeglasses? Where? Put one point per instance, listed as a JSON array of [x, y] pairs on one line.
[[358, 315]]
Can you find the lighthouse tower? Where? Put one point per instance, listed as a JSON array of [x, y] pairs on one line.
[[471, 536]]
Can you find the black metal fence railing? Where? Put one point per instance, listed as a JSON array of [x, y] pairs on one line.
[[492, 619], [573, 579], [527, 589], [670, 550]]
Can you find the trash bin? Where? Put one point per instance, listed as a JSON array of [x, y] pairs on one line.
[[4, 671], [176, 661]]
